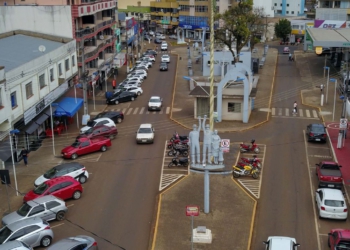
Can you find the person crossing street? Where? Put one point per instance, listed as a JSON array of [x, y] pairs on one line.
[[295, 108]]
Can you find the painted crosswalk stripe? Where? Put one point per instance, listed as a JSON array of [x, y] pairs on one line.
[[124, 110], [141, 111], [129, 111], [307, 113], [279, 111], [273, 111], [135, 111], [147, 112], [118, 110], [301, 114], [287, 112], [167, 110], [314, 113]]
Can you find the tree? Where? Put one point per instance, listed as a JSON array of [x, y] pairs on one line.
[[238, 22], [283, 29]]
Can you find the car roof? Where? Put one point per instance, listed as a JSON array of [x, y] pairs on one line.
[[332, 194], [281, 242], [67, 165], [41, 200], [316, 125], [71, 242], [165, 55], [99, 127], [19, 224], [60, 179], [146, 125], [11, 244], [102, 119], [154, 97]]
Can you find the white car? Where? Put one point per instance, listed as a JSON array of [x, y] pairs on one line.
[[281, 243], [134, 81], [331, 204], [155, 103], [161, 37], [149, 58], [138, 71], [147, 64], [145, 134], [164, 46], [165, 58], [151, 33], [134, 78], [138, 74], [129, 84], [134, 89], [101, 121]]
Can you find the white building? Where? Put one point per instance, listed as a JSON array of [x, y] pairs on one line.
[[37, 71], [287, 7], [268, 5]]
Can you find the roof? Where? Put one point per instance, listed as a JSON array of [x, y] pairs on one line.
[[67, 165], [333, 194], [330, 37], [20, 49], [146, 125], [18, 224], [41, 200]]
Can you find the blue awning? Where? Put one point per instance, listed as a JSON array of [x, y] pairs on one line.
[[68, 106]]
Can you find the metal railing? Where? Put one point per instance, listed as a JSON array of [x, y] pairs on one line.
[[93, 52], [88, 31]]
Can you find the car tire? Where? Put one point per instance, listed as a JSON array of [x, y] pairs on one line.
[[119, 120], [46, 241], [82, 179], [74, 156], [103, 148], [139, 93], [111, 137], [132, 98], [76, 195], [60, 215], [116, 102]]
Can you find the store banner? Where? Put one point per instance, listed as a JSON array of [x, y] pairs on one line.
[[329, 24]]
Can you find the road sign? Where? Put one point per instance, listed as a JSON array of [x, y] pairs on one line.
[[192, 210], [343, 123], [225, 145]]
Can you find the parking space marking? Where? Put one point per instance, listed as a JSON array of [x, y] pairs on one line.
[[91, 158], [57, 225], [70, 205], [167, 110], [124, 110], [273, 111], [322, 156]]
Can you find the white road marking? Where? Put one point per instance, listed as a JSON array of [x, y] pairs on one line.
[[129, 111], [287, 112], [322, 156], [307, 113], [141, 111], [57, 225], [124, 110], [167, 110], [273, 111], [314, 113], [70, 205], [135, 111], [301, 114], [161, 111]]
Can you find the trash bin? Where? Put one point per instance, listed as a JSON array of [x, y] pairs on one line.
[[108, 94]]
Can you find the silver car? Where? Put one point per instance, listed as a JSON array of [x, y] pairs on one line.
[[15, 245], [33, 231], [77, 242], [47, 208]]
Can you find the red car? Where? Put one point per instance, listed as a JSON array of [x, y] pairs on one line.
[[339, 239], [84, 146], [64, 187], [109, 132], [329, 175]]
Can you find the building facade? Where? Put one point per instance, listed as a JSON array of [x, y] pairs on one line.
[[288, 7], [165, 16]]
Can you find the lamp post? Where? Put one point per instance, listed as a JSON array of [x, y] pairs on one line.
[[327, 68], [53, 134], [335, 91], [13, 132]]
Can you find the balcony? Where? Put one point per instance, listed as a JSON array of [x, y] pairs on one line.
[[92, 29], [91, 52]]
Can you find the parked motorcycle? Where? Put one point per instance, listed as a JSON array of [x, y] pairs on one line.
[[178, 162], [177, 143], [249, 148], [182, 138], [247, 170], [177, 150], [252, 161]]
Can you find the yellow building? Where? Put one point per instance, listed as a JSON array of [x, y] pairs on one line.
[[165, 15]]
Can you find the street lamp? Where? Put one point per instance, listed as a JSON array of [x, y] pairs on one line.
[[12, 133], [327, 68], [335, 91], [52, 132]]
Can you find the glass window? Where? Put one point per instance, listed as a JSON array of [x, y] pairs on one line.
[[66, 184], [1, 104], [5, 232], [85, 144], [334, 203], [31, 229], [52, 204], [24, 209], [60, 69], [54, 188], [42, 80], [17, 234], [41, 188], [13, 100], [234, 107], [37, 210], [73, 61], [292, 12], [52, 76], [66, 63], [29, 90]]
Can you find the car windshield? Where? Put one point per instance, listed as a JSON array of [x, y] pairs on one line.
[[41, 188], [75, 144], [145, 130], [343, 245], [165, 57], [334, 203], [318, 130], [50, 173], [24, 209], [5, 232], [91, 123], [154, 100], [163, 64]]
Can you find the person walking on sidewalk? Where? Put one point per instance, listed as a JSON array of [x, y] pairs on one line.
[[295, 108], [25, 156]]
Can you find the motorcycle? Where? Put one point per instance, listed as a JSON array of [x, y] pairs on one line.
[[255, 162], [176, 136], [246, 170], [249, 148], [177, 143], [177, 150], [178, 162]]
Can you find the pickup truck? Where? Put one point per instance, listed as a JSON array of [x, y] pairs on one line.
[[84, 146], [329, 175]]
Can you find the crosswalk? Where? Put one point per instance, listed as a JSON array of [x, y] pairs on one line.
[[288, 112], [140, 111]]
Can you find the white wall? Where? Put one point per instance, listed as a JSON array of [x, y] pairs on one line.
[[294, 5], [267, 5], [54, 20]]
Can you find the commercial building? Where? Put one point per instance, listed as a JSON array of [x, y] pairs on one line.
[[165, 15], [286, 7]]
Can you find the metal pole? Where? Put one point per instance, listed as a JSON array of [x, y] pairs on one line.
[[192, 233], [53, 134], [83, 74], [346, 85], [335, 91], [93, 95], [13, 165], [211, 102], [327, 86], [325, 66], [127, 48], [206, 191]]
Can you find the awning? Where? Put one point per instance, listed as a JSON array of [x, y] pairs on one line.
[[68, 106], [31, 128], [5, 152], [41, 118], [48, 111]]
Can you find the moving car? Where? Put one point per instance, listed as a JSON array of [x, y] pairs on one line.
[[163, 66], [286, 50], [339, 239], [122, 97], [329, 175], [165, 58], [97, 122], [157, 41], [145, 134], [164, 46], [33, 231], [105, 131], [84, 146], [316, 132], [15, 245], [72, 169], [155, 103], [331, 204], [47, 208], [80, 242], [116, 116], [64, 187], [281, 243]]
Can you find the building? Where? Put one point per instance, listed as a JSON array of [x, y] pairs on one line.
[[287, 8], [37, 72], [268, 5], [165, 15]]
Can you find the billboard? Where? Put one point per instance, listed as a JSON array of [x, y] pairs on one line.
[[330, 24]]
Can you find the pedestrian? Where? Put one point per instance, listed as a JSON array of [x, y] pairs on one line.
[[25, 156], [290, 56], [114, 84], [295, 109]]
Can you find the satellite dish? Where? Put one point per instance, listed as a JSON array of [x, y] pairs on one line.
[[42, 48]]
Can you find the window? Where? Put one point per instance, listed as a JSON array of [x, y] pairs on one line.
[[29, 90], [17, 234], [54, 188], [52, 76], [60, 69], [42, 80], [1, 105], [66, 184], [13, 100], [234, 107], [37, 210], [287, 4], [292, 12], [73, 61], [85, 144], [287, 12], [52, 204], [31, 229], [275, 4], [66, 63]]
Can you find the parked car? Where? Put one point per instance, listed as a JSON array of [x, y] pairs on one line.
[[173, 37], [72, 169], [281, 243], [147, 38], [145, 134], [116, 116], [136, 90], [84, 146], [286, 50], [134, 78], [339, 239], [15, 245], [136, 82], [141, 67], [157, 41], [164, 46], [80, 242], [151, 52], [97, 122], [147, 64], [331, 204], [123, 97], [329, 175], [64, 187], [123, 86], [163, 66], [151, 33], [138, 74], [139, 71], [33, 231], [165, 58], [105, 131], [316, 132], [155, 103], [47, 208], [160, 36], [149, 57]]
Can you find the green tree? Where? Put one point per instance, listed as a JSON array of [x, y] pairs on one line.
[[283, 29]]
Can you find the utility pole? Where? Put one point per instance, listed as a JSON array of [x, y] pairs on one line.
[[211, 100], [84, 76], [346, 87], [138, 35], [127, 48]]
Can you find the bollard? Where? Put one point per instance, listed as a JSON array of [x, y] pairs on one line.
[[322, 98]]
